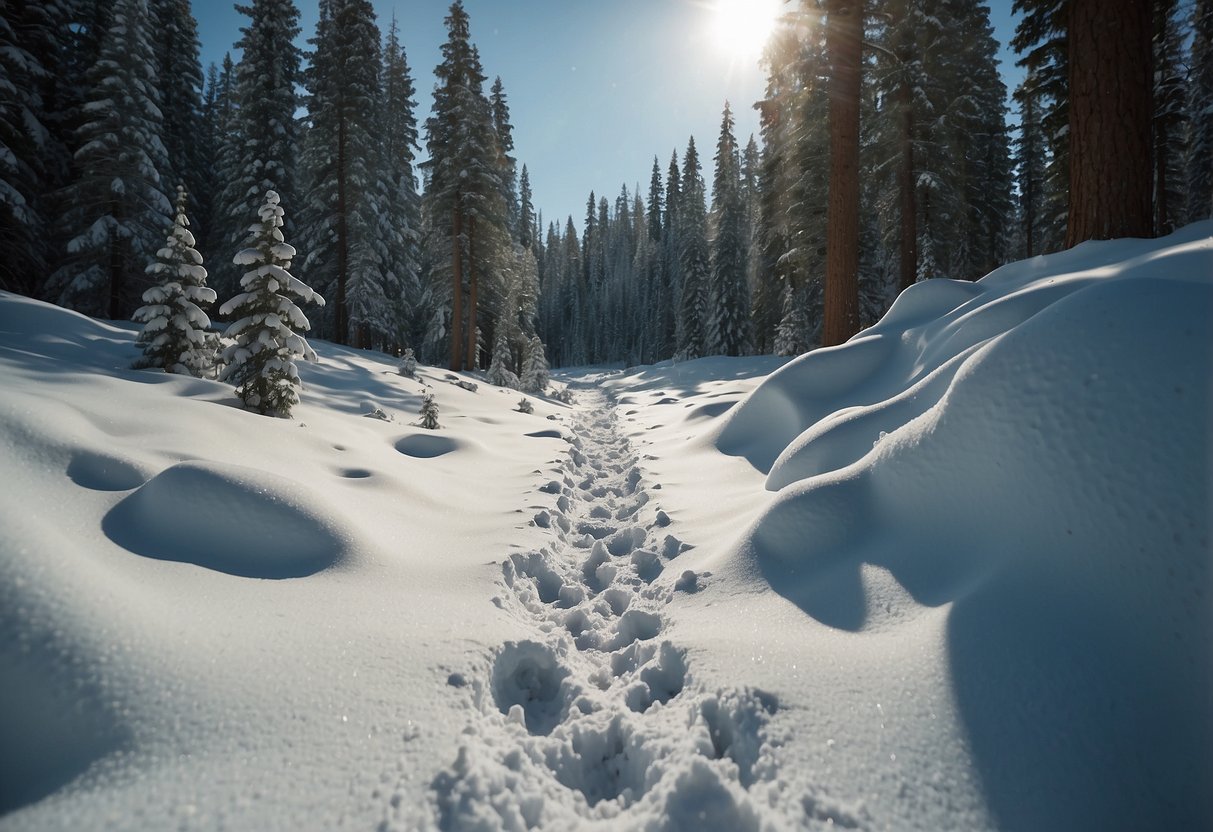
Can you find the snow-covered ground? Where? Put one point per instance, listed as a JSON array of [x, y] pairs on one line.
[[952, 575]]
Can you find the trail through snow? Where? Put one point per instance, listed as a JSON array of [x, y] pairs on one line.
[[595, 720]]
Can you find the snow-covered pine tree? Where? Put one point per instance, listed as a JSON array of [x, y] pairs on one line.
[[671, 261], [33, 158], [117, 210], [504, 131], [792, 334], [1030, 157], [1200, 114], [263, 139], [500, 373], [429, 412], [179, 80], [266, 332], [693, 256], [535, 375], [400, 205], [728, 295], [464, 193], [174, 335], [341, 158], [1170, 118], [408, 363], [525, 406]]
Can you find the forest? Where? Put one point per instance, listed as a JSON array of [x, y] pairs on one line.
[[445, 253]]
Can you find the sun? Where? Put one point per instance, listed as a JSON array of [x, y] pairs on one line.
[[742, 27]]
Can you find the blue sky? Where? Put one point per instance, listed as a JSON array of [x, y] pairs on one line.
[[596, 87]]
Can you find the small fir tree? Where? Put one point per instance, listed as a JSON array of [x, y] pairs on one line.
[[500, 373], [174, 335], [261, 362], [525, 406], [429, 412], [535, 375], [791, 337], [408, 363]]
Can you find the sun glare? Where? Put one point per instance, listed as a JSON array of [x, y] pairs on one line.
[[743, 26]]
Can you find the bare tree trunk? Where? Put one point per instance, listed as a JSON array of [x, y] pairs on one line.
[[1111, 113], [473, 295], [457, 290], [843, 43]]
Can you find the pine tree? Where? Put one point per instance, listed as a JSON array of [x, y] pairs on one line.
[[33, 157], [179, 80], [174, 335], [266, 333], [693, 257], [535, 375], [1030, 159], [500, 373], [429, 412], [792, 337], [729, 297], [400, 205], [1170, 117], [464, 193], [117, 208], [1200, 114], [408, 364], [262, 145], [341, 158]]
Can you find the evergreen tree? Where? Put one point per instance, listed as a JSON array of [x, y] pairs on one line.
[[400, 204], [266, 332], [792, 334], [729, 298], [174, 335], [262, 145], [408, 364], [464, 193], [429, 412], [535, 375], [117, 208], [33, 38], [1170, 117], [693, 257], [500, 373], [1030, 158], [1200, 114], [341, 157], [179, 80]]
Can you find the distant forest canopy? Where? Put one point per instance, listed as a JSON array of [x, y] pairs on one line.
[[107, 109]]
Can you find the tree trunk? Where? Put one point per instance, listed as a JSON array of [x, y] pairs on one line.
[[343, 243], [1111, 112], [843, 40], [908, 249], [457, 290], [473, 295]]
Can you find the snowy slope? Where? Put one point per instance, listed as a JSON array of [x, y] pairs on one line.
[[952, 575]]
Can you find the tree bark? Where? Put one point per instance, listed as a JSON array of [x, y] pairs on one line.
[[843, 43], [1111, 113], [473, 296], [457, 289]]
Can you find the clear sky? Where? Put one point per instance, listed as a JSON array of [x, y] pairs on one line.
[[596, 87]]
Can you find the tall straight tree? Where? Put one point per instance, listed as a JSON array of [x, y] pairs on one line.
[[118, 211], [1111, 110], [728, 295], [463, 199], [1200, 114], [844, 36], [694, 258], [401, 204], [263, 140], [179, 79], [341, 157]]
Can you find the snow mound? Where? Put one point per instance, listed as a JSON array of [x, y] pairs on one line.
[[231, 519], [426, 445], [1037, 457]]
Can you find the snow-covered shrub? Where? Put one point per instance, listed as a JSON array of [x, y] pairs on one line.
[[525, 406], [429, 412], [174, 335], [535, 376], [408, 364], [261, 362]]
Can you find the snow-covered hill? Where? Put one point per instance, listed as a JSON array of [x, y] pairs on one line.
[[954, 574]]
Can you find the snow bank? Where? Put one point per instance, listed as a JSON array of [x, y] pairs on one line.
[[1032, 453]]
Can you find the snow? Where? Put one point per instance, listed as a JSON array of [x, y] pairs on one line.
[[953, 574]]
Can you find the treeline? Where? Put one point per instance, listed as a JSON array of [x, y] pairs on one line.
[[106, 109]]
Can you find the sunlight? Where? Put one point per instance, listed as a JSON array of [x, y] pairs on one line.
[[743, 26]]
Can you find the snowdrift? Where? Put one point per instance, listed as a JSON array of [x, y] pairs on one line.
[[1032, 454]]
